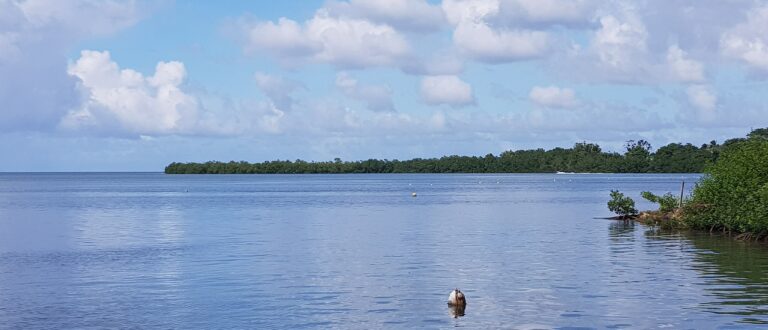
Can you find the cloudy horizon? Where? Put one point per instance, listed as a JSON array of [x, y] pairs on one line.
[[134, 85]]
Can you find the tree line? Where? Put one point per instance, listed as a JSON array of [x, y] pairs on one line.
[[583, 157]]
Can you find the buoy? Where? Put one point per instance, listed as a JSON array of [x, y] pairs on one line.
[[456, 298], [413, 194]]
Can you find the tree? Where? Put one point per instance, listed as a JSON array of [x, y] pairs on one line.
[[637, 156], [667, 202], [621, 205], [734, 194], [760, 133], [638, 146]]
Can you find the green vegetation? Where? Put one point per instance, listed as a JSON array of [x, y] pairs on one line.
[[732, 197], [667, 202], [583, 157], [622, 205]]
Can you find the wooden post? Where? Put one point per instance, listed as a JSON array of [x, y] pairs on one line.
[[682, 188]]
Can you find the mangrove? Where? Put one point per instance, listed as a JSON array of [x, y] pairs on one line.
[[583, 157], [731, 198]]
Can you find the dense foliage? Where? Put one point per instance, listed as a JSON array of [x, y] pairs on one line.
[[667, 202], [733, 197], [582, 157], [621, 205]]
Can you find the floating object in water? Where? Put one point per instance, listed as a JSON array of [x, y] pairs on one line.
[[457, 303], [456, 298], [413, 194]]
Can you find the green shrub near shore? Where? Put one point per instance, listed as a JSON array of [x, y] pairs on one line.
[[622, 205], [667, 202], [733, 196]]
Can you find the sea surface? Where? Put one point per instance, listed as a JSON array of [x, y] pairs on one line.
[[148, 250]]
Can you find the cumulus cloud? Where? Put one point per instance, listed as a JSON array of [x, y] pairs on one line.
[[683, 68], [448, 90], [35, 37], [619, 43], [748, 41], [542, 12], [129, 101], [377, 98], [417, 15], [553, 96], [277, 89], [481, 42], [341, 41], [460, 11], [475, 37]]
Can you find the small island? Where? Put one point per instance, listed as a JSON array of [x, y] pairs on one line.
[[583, 157]]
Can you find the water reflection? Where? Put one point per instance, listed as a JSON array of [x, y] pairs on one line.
[[734, 274], [125, 250], [457, 311], [621, 229]]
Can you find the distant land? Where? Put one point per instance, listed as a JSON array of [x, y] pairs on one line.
[[583, 157]]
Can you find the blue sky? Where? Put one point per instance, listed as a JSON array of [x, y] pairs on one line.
[[133, 85]]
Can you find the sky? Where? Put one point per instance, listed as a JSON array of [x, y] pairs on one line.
[[113, 85]]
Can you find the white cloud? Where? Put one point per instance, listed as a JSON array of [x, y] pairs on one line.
[[341, 41], [619, 43], [124, 102], [553, 96], [35, 38], [704, 100], [377, 98], [475, 37], [461, 11], [748, 41], [682, 68], [565, 12], [129, 100], [277, 89], [480, 41], [446, 90], [286, 38], [82, 17], [416, 15]]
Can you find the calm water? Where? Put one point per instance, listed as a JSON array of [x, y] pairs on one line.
[[357, 251]]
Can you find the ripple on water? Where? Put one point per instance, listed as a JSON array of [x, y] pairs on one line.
[[113, 250]]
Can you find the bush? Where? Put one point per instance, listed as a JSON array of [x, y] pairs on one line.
[[734, 194], [667, 202], [621, 205]]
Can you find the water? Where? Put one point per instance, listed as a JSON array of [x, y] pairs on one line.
[[357, 251]]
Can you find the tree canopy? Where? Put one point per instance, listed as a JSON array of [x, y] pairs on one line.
[[583, 157]]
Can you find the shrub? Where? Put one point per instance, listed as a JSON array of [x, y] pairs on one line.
[[621, 205], [667, 202], [734, 194]]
